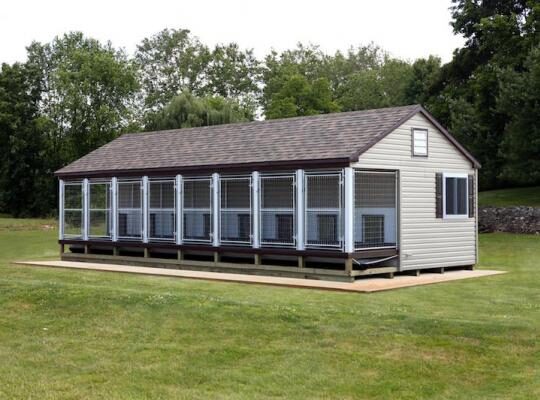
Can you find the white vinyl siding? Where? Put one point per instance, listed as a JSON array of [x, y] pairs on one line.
[[425, 241]]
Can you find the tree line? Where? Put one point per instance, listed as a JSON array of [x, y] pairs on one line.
[[75, 94]]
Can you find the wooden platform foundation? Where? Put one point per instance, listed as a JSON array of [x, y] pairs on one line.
[[307, 264]]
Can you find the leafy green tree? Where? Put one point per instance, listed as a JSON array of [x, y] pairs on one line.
[[364, 77], [87, 91], [383, 86], [233, 73], [170, 62], [173, 61], [26, 182], [186, 111], [466, 94], [425, 72], [520, 97], [288, 69], [297, 96]]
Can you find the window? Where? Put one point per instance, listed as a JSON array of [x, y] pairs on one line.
[[455, 196], [420, 142]]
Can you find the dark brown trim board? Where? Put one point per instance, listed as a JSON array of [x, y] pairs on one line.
[[337, 254]]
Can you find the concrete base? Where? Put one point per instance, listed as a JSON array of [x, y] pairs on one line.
[[365, 285]]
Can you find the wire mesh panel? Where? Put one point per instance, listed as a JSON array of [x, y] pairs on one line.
[[73, 209], [375, 209], [197, 209], [99, 212], [129, 223], [324, 210], [161, 214], [235, 210], [277, 210]]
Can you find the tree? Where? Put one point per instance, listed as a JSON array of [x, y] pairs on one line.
[[297, 96], [520, 97], [425, 72], [186, 111], [498, 37], [173, 61], [26, 182], [366, 77], [383, 86], [233, 73], [300, 66], [87, 90], [170, 62]]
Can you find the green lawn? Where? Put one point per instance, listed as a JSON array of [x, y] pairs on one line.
[[82, 335], [511, 197]]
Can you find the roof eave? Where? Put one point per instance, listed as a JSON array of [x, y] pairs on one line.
[[202, 169]]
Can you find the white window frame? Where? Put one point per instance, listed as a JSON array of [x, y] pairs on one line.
[[455, 175], [413, 141]]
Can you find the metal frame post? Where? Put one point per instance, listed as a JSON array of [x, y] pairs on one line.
[[61, 209], [145, 209], [255, 184], [114, 209], [349, 210], [300, 210], [178, 207], [86, 209], [215, 210]]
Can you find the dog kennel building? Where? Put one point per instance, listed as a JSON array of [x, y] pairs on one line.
[[333, 196]]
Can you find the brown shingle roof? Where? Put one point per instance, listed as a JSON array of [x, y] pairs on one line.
[[327, 137]]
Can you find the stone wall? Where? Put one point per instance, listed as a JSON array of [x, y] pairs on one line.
[[509, 219]]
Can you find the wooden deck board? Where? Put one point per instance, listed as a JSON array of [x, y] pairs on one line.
[[365, 285]]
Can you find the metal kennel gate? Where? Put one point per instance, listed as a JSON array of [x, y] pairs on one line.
[[72, 215], [197, 210], [375, 209], [130, 213], [161, 209], [324, 209], [235, 210], [277, 211], [99, 213]]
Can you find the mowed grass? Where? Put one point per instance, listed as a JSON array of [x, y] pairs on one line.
[[90, 335], [529, 196]]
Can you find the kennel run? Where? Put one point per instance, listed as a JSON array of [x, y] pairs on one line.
[[334, 196]]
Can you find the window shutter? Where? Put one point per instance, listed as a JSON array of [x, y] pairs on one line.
[[472, 193], [438, 195]]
